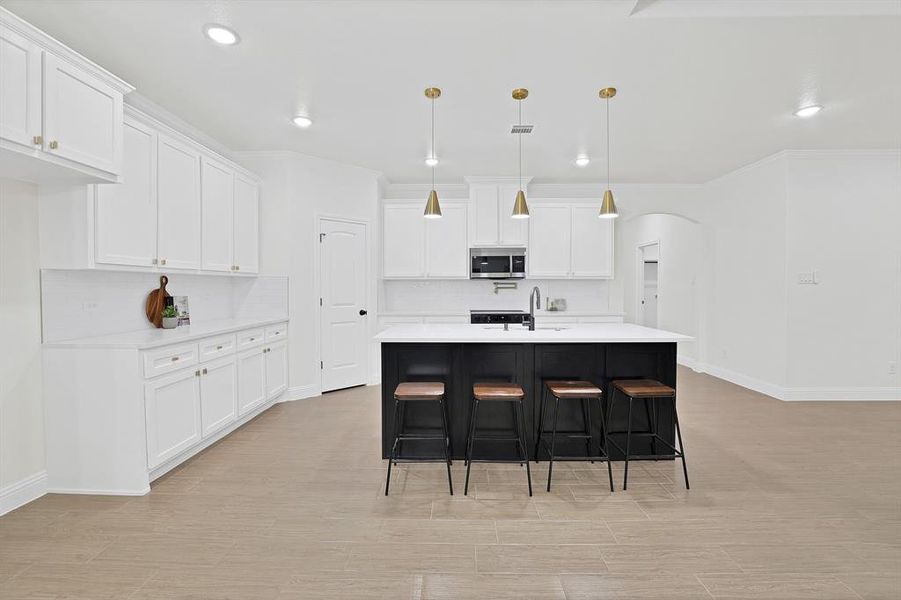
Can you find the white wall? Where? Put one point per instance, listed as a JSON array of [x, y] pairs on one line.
[[844, 221], [297, 189], [21, 404]]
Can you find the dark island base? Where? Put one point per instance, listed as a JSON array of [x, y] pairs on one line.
[[459, 366]]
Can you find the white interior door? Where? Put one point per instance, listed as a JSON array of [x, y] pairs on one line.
[[343, 314]]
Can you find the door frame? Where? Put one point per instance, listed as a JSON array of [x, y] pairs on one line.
[[317, 284], [639, 279]]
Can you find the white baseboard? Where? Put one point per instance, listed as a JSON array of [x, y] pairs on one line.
[[796, 394], [100, 492], [300, 392], [22, 492], [689, 362]]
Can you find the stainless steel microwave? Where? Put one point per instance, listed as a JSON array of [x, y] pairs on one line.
[[497, 263]]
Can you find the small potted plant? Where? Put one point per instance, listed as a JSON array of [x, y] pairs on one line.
[[170, 317]]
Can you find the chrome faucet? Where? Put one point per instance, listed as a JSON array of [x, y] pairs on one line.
[[534, 302]]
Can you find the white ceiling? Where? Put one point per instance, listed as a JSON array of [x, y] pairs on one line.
[[704, 87]]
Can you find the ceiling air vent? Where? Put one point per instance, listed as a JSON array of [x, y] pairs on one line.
[[521, 129]]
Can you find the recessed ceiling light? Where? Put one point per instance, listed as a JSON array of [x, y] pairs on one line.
[[808, 111], [303, 121], [431, 161], [221, 34], [582, 161]]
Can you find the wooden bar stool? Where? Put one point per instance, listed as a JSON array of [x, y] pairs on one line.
[[419, 392], [647, 390], [586, 393], [498, 392]]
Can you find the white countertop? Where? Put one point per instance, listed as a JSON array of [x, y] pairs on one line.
[[595, 333], [465, 313], [152, 338]]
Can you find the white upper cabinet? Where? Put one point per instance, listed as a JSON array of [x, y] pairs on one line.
[[418, 248], [550, 232], [447, 253], [125, 213], [178, 218], [218, 193], [82, 117], [247, 225], [20, 90], [569, 241], [490, 213], [403, 240], [592, 243], [60, 114]]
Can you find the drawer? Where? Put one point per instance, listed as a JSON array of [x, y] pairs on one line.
[[168, 359], [215, 347], [276, 332], [250, 338]]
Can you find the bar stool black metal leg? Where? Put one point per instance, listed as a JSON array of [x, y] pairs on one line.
[[519, 439], [450, 441], [586, 415], [628, 445], [393, 453], [447, 456], [521, 423], [550, 466], [541, 409], [681, 447], [603, 444], [469, 440], [650, 403]]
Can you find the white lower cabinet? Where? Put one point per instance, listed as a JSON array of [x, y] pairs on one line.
[[276, 369], [172, 409], [251, 380], [218, 394]]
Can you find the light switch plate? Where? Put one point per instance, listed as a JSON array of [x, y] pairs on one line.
[[807, 277]]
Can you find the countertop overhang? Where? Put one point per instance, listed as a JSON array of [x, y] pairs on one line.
[[494, 334]]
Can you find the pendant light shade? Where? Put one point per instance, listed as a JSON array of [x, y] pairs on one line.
[[520, 208], [608, 206], [432, 206]]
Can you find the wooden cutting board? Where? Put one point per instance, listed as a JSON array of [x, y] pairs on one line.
[[156, 302]]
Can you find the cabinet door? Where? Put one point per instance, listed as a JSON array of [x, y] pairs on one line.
[[218, 192], [172, 411], [447, 250], [125, 213], [20, 89], [251, 380], [247, 225], [276, 369], [592, 243], [483, 214], [513, 232], [218, 394], [178, 210], [82, 117], [403, 242], [550, 235]]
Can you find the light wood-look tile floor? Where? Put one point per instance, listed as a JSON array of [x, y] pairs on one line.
[[788, 500]]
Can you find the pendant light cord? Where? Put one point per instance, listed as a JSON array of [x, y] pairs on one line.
[[433, 143], [608, 143], [520, 145]]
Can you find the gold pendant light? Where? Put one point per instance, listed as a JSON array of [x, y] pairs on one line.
[[608, 206], [432, 207], [520, 207]]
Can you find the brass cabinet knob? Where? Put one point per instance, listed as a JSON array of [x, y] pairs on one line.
[[54, 145], [154, 261], [196, 373], [174, 359], [237, 267], [38, 140], [218, 347], [162, 261], [204, 371]]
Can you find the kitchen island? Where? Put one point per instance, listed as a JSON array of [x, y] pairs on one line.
[[461, 355]]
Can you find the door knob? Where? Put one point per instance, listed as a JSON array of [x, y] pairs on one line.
[[363, 313]]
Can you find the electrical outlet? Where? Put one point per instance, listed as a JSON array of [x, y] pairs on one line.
[[892, 367], [89, 306]]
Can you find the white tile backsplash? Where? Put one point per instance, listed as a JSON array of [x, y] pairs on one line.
[[86, 303], [461, 296]]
